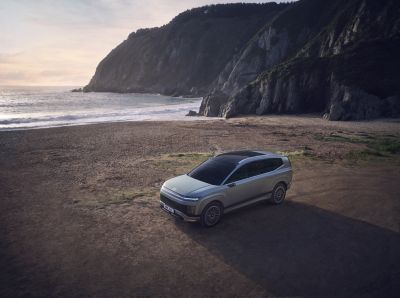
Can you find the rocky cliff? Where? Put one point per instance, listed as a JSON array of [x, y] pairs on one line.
[[337, 58], [185, 56]]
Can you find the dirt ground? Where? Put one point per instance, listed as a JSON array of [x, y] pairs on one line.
[[79, 212]]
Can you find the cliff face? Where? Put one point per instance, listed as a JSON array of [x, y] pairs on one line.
[[185, 56], [337, 58]]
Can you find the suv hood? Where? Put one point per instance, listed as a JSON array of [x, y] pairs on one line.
[[184, 185]]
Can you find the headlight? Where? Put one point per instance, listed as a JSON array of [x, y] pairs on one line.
[[190, 199]]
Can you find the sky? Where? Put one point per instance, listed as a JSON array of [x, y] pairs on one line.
[[60, 42]]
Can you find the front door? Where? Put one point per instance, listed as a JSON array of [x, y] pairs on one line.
[[240, 186]]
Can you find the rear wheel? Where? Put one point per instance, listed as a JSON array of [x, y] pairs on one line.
[[211, 214], [278, 194]]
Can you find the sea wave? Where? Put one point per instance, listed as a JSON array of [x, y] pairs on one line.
[[38, 120], [29, 107], [75, 117]]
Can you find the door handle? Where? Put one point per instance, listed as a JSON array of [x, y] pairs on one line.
[[232, 184]]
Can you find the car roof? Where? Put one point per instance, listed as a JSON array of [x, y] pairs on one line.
[[237, 157]]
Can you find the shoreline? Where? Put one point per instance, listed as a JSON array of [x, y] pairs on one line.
[[23, 109], [194, 118], [282, 120]]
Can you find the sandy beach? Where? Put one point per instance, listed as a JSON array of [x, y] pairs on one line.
[[80, 216]]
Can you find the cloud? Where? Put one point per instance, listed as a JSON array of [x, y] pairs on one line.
[[45, 66], [14, 76], [9, 58]]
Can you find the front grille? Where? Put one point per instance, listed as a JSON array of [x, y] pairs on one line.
[[173, 204]]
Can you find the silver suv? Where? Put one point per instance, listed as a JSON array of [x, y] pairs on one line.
[[225, 183]]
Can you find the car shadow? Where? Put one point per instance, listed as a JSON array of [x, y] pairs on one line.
[[300, 250]]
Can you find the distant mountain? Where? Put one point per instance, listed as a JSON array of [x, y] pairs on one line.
[[339, 58]]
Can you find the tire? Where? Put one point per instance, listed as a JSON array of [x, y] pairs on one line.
[[278, 194], [211, 214]]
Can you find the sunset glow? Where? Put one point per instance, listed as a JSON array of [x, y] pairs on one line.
[[61, 42]]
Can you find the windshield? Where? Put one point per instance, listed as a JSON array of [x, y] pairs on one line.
[[212, 171]]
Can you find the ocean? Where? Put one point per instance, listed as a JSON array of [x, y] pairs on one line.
[[41, 107]]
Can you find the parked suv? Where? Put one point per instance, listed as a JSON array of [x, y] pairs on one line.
[[225, 183]]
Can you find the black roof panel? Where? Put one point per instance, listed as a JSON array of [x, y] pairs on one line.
[[236, 156], [245, 153]]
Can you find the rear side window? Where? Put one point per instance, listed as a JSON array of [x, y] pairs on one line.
[[255, 168], [271, 164]]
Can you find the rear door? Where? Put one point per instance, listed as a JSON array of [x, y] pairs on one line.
[[269, 174]]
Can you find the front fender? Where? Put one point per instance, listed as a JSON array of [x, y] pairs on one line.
[[216, 197]]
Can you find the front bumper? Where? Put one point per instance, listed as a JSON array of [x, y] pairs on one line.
[[179, 214]]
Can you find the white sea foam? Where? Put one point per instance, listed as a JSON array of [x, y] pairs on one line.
[[39, 107]]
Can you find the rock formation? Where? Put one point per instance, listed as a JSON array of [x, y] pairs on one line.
[[185, 56], [338, 58]]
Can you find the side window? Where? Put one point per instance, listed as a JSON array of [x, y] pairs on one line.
[[239, 174], [255, 168], [272, 164]]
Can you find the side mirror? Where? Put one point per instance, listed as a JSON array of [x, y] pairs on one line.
[[232, 184]]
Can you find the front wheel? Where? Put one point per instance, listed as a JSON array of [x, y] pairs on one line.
[[278, 194], [211, 214]]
